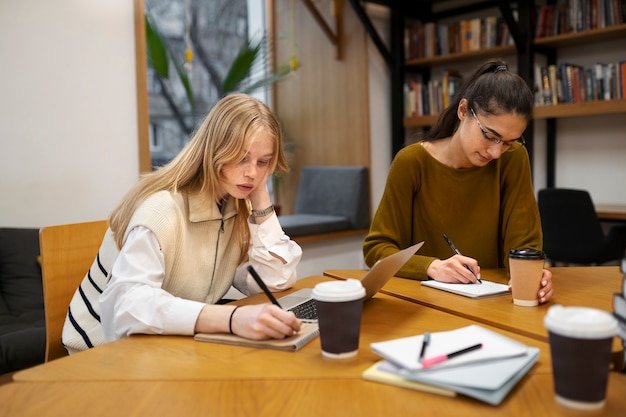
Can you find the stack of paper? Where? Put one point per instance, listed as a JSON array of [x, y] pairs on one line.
[[487, 374]]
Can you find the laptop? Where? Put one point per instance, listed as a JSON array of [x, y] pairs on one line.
[[303, 306]]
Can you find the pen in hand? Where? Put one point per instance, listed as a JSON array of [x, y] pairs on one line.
[[425, 342], [459, 253], [259, 281]]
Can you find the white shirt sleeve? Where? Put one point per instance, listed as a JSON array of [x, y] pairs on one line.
[[134, 302], [273, 255]]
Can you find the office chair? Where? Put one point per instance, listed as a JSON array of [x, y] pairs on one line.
[[67, 252], [572, 232]]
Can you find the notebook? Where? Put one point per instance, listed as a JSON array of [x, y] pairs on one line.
[[487, 374], [476, 290], [293, 343], [303, 306]]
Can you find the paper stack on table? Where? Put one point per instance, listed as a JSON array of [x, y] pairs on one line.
[[487, 374]]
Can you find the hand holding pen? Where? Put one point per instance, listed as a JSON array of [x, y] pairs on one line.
[[459, 253]]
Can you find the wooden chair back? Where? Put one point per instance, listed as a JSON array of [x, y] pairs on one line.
[[67, 253]]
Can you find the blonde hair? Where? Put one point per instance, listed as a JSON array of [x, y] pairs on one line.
[[223, 138]]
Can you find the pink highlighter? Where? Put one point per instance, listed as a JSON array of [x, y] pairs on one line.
[[428, 362]]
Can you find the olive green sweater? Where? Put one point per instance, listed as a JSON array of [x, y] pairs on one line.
[[485, 211]]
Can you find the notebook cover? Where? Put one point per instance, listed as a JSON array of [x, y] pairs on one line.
[[308, 332]]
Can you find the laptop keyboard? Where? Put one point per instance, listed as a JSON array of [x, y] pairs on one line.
[[305, 311]]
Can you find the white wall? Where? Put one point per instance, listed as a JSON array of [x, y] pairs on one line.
[[68, 119]]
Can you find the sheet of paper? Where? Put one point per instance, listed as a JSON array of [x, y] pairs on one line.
[[486, 289]]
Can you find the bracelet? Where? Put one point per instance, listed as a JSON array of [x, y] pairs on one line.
[[230, 321], [264, 212]]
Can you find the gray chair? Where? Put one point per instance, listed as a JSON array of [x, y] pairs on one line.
[[329, 199]]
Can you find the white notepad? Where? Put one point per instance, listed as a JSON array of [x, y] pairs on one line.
[[486, 289], [404, 352]]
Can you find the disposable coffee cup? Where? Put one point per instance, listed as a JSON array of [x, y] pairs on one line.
[[581, 340], [526, 269], [339, 308]]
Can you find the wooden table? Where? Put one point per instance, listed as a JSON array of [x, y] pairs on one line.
[[608, 212], [328, 396], [573, 286], [169, 358]]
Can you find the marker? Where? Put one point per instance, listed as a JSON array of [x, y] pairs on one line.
[[428, 362], [458, 252], [259, 281], [425, 342]]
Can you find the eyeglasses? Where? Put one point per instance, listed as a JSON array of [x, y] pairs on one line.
[[508, 145]]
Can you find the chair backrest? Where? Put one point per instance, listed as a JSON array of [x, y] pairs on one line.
[[67, 252], [571, 229], [335, 190]]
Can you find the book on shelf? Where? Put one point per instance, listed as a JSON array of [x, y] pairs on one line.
[[307, 333], [433, 97], [568, 82], [574, 16], [429, 39], [487, 374]]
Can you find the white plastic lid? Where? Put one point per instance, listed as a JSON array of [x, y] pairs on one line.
[[580, 322], [339, 290]]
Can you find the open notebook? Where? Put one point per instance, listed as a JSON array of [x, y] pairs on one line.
[[301, 303]]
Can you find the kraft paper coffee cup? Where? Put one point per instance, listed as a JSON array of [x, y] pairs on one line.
[[339, 308], [526, 269], [581, 339]]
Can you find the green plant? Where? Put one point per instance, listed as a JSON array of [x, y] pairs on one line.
[[238, 73]]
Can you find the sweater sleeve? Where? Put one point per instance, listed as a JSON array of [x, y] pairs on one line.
[[391, 228], [273, 255]]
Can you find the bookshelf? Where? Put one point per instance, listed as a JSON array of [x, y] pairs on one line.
[[525, 49]]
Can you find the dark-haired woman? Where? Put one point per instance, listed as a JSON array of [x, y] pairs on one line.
[[469, 178]]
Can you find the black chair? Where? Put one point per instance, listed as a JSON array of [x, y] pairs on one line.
[[572, 232]]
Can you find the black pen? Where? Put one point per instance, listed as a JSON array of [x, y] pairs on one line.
[[459, 253], [259, 281], [441, 358], [425, 342]]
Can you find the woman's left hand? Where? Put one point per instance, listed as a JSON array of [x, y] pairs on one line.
[[545, 291]]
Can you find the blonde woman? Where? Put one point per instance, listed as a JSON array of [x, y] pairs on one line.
[[186, 232]]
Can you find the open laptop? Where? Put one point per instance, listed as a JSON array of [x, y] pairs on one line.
[[301, 303]]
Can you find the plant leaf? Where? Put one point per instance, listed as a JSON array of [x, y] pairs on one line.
[[184, 77], [282, 71], [240, 68], [157, 54]]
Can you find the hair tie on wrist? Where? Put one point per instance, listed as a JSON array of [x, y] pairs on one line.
[[230, 321], [501, 68]]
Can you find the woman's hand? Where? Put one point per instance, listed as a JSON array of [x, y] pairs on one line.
[[545, 291], [454, 270], [264, 321]]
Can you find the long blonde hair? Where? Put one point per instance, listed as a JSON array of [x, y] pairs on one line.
[[222, 138]]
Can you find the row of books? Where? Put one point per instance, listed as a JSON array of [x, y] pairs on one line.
[[619, 306], [578, 15], [571, 83], [431, 97], [429, 39]]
